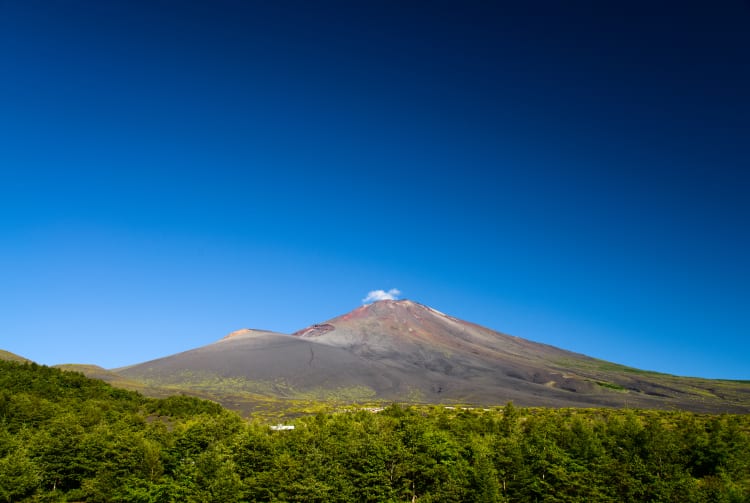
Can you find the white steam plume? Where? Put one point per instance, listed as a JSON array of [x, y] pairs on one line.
[[376, 295]]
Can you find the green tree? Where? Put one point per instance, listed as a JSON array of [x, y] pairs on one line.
[[485, 486], [19, 476]]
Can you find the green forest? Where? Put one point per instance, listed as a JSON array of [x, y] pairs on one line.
[[65, 437]]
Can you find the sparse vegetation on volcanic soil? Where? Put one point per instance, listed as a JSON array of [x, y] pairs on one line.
[[64, 437]]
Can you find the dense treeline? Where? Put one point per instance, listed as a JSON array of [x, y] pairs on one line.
[[64, 437]]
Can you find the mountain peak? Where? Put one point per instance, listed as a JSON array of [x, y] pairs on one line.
[[392, 307], [393, 304], [400, 326], [383, 303], [380, 309]]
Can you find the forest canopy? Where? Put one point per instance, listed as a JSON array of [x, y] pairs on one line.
[[65, 437]]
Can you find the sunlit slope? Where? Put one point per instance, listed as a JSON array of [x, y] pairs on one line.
[[8, 356]]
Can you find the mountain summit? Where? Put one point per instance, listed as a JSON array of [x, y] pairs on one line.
[[404, 351], [393, 329]]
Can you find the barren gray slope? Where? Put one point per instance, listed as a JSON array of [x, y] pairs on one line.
[[402, 350], [269, 363]]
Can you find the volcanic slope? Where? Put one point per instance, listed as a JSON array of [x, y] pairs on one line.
[[405, 351], [270, 364]]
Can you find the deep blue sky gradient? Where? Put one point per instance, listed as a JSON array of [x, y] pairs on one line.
[[575, 173]]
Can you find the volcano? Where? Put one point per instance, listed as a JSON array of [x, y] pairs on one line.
[[407, 352]]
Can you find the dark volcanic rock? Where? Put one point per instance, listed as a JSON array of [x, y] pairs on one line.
[[404, 351]]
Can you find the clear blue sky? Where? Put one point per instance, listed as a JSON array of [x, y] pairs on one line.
[[575, 173]]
